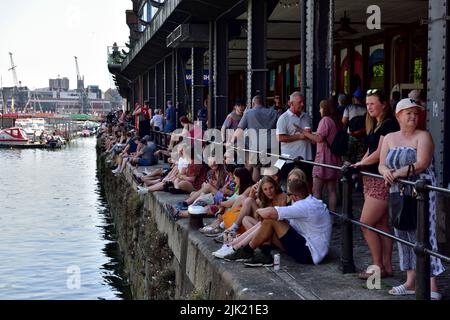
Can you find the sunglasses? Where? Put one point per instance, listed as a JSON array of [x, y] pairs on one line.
[[372, 91]]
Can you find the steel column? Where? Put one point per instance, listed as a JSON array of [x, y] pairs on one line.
[[181, 95], [303, 53], [256, 49], [160, 103], [347, 263], [319, 54], [221, 72], [152, 88], [437, 103], [211, 67], [422, 242], [197, 80], [437, 95], [168, 63]]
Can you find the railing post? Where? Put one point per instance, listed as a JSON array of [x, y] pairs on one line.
[[422, 241], [347, 263]]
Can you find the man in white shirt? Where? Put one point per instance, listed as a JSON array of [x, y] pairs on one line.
[[302, 229], [293, 142]]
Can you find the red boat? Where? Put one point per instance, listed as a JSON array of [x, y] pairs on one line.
[[13, 137]]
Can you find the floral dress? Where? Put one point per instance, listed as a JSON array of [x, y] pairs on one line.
[[397, 158]]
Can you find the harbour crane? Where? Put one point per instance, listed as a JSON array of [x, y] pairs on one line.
[[84, 102], [13, 70]]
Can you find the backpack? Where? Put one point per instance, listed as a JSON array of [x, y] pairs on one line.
[[357, 126], [339, 146]]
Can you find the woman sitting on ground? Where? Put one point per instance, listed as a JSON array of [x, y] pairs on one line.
[[266, 193], [215, 180], [158, 184], [130, 148], [243, 181], [230, 251]]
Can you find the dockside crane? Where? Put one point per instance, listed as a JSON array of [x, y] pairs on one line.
[[13, 70], [84, 102]]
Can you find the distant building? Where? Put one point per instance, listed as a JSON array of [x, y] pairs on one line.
[[59, 84]]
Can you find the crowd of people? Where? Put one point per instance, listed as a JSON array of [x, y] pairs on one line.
[[288, 207]]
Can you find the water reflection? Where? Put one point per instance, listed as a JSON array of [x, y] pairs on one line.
[[53, 216]]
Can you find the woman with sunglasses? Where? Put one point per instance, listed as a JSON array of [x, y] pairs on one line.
[[379, 122]]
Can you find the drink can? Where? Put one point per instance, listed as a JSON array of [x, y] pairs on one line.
[[226, 237], [307, 129], [276, 262], [231, 236]]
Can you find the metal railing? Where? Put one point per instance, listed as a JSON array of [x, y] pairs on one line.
[[421, 247]]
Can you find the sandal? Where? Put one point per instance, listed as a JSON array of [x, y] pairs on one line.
[[435, 295], [401, 290], [364, 275], [174, 213]]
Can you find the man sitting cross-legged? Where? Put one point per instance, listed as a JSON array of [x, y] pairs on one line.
[[302, 229]]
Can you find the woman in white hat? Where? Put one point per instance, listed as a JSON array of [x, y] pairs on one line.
[[411, 146]]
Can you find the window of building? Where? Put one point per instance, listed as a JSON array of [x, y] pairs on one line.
[[272, 80], [345, 71], [418, 71], [288, 79], [376, 66], [297, 77], [357, 67]]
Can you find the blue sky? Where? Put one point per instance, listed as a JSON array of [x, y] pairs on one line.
[[45, 35]]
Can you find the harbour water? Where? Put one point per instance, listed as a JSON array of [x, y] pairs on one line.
[[57, 240]]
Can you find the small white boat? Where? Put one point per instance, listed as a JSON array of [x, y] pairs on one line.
[[13, 136]]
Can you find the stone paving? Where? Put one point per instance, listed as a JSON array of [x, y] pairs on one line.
[[324, 281]]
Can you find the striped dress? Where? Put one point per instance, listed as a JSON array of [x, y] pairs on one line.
[[397, 158]]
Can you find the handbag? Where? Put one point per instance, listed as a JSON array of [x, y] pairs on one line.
[[403, 205]]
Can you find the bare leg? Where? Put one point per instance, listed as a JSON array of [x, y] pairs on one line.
[[317, 188], [246, 237], [248, 208], [249, 222], [332, 197], [268, 229], [373, 212]]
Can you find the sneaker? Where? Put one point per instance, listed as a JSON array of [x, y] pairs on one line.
[[225, 250], [206, 229], [182, 205], [213, 232], [219, 238], [142, 190], [115, 171], [239, 255], [260, 259]]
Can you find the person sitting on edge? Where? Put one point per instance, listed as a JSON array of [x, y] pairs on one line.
[[303, 230]]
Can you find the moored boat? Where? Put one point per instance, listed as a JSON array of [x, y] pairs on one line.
[[13, 136]]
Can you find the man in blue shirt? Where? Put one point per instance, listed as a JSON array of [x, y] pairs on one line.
[[202, 115], [170, 117]]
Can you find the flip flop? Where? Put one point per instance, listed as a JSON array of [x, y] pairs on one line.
[[435, 295], [401, 290]]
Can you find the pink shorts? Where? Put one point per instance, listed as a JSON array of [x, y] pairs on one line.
[[375, 188]]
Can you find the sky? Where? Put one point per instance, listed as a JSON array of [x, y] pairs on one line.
[[45, 35]]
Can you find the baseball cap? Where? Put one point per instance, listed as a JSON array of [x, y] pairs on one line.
[[145, 139], [414, 94], [358, 93], [406, 104]]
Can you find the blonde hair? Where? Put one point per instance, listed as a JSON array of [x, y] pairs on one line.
[[371, 123], [299, 173]]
